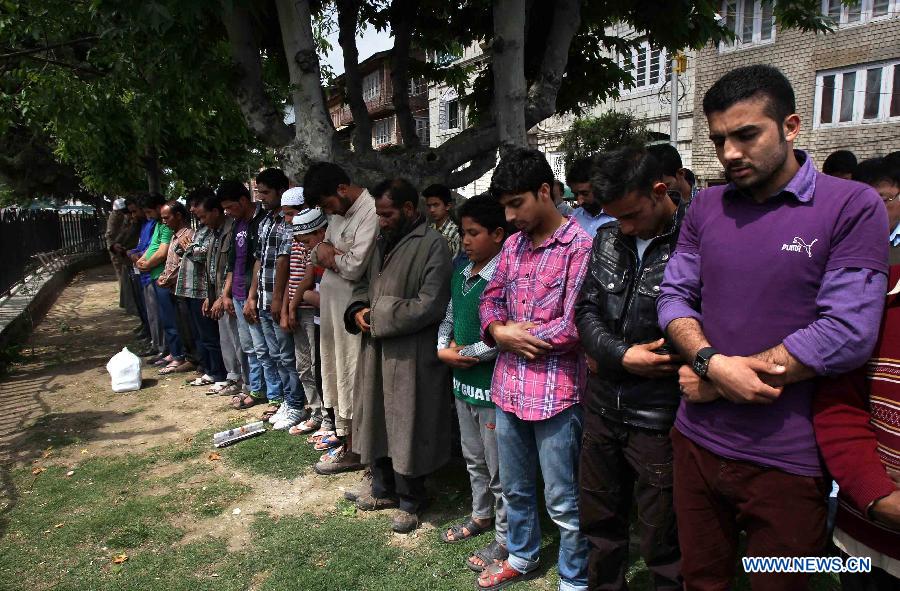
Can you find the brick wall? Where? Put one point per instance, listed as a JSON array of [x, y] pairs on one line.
[[800, 56]]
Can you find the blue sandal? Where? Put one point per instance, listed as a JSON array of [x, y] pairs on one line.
[[328, 442]]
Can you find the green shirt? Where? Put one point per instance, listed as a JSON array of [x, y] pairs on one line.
[[162, 234]]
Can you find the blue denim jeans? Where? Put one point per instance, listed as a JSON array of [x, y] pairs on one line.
[[254, 367], [556, 443], [165, 302], [281, 350], [267, 361]]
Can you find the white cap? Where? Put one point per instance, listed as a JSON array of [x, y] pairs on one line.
[[119, 204], [307, 222], [293, 197]]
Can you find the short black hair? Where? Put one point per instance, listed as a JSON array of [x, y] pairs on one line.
[[274, 178], [690, 177], [579, 171], [893, 159], [151, 201], [440, 191], [177, 207], [322, 180], [211, 203], [399, 190], [486, 212], [748, 82], [840, 161], [876, 170], [521, 170], [622, 171], [199, 195], [232, 190], [668, 157]]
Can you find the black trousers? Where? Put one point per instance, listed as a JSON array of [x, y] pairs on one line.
[[623, 465], [877, 580], [408, 489]]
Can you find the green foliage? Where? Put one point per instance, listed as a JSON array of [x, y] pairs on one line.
[[611, 130], [151, 77]]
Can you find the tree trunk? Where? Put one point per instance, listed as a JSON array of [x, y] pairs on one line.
[[510, 91], [154, 174], [314, 129]]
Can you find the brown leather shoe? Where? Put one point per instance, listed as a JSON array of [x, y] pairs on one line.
[[343, 461], [404, 522], [366, 502]]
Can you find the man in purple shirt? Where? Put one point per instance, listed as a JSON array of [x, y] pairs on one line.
[[778, 277]]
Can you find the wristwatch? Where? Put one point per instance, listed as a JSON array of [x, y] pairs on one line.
[[701, 361]]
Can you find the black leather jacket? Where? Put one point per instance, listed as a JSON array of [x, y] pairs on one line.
[[617, 309]]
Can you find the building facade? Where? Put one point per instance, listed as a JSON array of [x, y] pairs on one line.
[[847, 83], [650, 99], [378, 92]]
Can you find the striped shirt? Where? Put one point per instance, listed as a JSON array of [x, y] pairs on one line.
[[169, 276], [299, 260], [450, 232], [539, 285], [275, 239], [192, 273]]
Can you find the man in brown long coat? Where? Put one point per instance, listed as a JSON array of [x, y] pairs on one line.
[[401, 413]]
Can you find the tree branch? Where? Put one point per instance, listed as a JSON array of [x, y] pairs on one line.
[[474, 171], [315, 133], [47, 47], [468, 145], [544, 90], [510, 90], [402, 14], [265, 120], [348, 16]]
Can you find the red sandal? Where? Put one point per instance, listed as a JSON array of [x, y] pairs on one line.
[[500, 574]]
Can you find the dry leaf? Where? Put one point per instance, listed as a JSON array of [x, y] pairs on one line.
[[59, 525], [120, 558], [38, 470], [70, 473], [214, 456]]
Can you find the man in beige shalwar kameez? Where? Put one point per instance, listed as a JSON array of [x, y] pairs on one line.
[[345, 253]]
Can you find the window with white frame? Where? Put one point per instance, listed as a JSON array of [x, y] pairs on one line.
[[861, 11], [751, 21], [383, 131], [417, 86], [867, 93], [422, 130], [372, 85], [450, 116], [558, 164], [649, 66]]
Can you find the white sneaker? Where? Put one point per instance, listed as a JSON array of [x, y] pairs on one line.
[[291, 417], [279, 414]]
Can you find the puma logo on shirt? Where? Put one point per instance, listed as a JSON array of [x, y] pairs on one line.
[[798, 245]]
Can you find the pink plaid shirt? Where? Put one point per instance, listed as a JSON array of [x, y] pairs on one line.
[[539, 285]]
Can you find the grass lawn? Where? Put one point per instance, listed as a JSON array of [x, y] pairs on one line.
[[129, 522]]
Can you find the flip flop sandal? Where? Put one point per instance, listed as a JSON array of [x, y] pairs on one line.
[[305, 427], [201, 381], [317, 436], [243, 402], [331, 454], [271, 410], [328, 442], [458, 531], [172, 367], [500, 575], [162, 361], [490, 554]]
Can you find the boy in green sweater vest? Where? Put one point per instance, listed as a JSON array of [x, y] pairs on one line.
[[459, 345]]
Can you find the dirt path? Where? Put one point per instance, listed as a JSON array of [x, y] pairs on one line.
[[60, 394]]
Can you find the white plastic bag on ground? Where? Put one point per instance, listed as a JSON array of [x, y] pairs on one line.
[[125, 370]]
